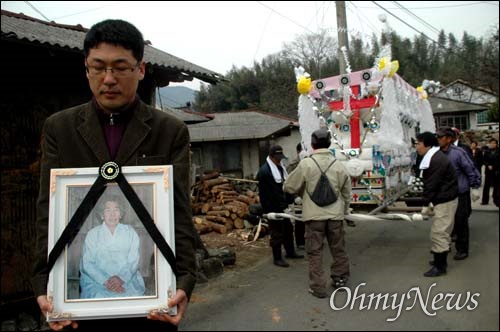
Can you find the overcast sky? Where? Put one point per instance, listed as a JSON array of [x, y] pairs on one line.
[[218, 35]]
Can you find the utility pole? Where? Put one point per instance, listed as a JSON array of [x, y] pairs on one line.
[[341, 33]]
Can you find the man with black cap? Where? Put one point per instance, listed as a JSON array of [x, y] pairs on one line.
[[271, 176], [326, 219], [468, 176]]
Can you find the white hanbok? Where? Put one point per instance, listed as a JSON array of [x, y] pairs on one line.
[[106, 255]]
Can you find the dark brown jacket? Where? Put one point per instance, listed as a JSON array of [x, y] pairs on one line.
[[73, 138]]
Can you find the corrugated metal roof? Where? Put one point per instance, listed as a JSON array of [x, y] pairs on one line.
[[237, 126], [442, 105], [26, 28]]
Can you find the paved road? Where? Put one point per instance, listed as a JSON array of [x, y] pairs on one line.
[[390, 258]]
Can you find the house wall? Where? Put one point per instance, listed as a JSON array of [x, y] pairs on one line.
[[289, 144], [222, 156], [473, 121], [250, 158]]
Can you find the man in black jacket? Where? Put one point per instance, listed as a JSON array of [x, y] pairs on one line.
[[491, 172], [440, 189], [273, 199]]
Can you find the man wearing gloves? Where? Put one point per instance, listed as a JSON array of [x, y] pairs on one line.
[[468, 176], [440, 189], [323, 221]]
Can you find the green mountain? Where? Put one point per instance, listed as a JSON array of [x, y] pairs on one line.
[[175, 96]]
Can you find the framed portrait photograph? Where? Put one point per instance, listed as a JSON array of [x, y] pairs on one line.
[[112, 268]]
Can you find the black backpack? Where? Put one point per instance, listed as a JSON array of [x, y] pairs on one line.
[[323, 193]]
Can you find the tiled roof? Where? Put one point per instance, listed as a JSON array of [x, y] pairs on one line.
[[32, 30], [239, 125], [442, 105], [187, 116]]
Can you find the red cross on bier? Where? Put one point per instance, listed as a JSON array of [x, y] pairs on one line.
[[356, 105]]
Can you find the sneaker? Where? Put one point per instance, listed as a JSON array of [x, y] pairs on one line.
[[350, 223], [320, 295]]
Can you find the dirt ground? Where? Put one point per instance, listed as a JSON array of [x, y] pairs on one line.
[[247, 253]]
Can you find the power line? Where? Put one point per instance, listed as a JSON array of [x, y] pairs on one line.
[[86, 11], [35, 9], [420, 32], [368, 22], [262, 35], [423, 34], [285, 17], [417, 17], [449, 6]]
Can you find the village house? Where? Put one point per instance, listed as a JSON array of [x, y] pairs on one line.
[[463, 106]]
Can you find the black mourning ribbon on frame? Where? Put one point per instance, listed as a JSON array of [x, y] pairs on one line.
[[89, 202]]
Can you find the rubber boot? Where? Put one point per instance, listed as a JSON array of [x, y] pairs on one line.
[[440, 263], [277, 258]]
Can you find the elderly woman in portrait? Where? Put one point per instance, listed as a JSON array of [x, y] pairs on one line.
[[110, 261]]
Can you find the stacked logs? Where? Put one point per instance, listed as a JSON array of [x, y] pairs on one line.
[[217, 206]]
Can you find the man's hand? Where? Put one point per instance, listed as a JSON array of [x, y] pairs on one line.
[[181, 301], [114, 284], [475, 195], [428, 210], [45, 307]]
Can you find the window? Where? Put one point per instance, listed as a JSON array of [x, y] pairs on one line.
[[458, 121], [482, 117]]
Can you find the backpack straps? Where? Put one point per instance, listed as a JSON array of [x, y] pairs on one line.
[[326, 170]]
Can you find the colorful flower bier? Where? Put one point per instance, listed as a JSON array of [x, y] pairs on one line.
[[372, 116]]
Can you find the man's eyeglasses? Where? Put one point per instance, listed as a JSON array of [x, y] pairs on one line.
[[118, 71]]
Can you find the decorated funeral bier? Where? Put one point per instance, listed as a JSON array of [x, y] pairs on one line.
[[372, 116]]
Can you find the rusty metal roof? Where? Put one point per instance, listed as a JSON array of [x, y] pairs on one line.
[[25, 28]]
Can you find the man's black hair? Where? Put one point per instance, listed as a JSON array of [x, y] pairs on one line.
[[428, 138], [321, 139], [115, 32]]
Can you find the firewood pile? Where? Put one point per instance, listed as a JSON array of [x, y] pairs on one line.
[[218, 206]]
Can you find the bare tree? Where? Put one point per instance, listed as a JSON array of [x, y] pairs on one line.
[[311, 50]]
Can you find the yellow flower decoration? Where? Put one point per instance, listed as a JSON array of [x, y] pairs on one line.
[[382, 63], [422, 92], [394, 68], [304, 85]]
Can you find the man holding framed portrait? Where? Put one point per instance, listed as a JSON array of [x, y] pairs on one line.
[[116, 125]]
